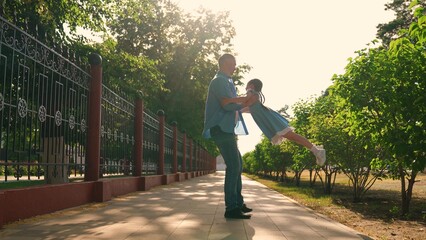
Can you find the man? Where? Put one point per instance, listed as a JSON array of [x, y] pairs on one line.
[[219, 124]]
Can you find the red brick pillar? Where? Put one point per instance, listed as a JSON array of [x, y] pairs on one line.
[[2, 209], [213, 161], [196, 157], [203, 159], [161, 140], [191, 155], [175, 148], [94, 119], [184, 153], [138, 138]]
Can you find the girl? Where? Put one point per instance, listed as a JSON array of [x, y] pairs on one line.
[[273, 125]]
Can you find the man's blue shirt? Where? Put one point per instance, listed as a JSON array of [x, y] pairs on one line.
[[221, 86]]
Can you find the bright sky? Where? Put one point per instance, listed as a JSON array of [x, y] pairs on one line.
[[295, 47]]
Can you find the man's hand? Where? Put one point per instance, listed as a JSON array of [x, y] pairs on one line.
[[250, 100]]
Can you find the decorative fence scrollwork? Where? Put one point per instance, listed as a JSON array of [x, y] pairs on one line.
[[43, 97], [44, 120]]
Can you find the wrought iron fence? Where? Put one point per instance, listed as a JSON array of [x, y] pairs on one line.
[[44, 102], [151, 143], [43, 114], [117, 134]]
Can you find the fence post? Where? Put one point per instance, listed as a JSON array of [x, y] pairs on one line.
[[196, 157], [203, 160], [214, 162], [161, 140], [94, 119], [138, 138], [175, 147], [191, 154], [200, 158], [184, 153]]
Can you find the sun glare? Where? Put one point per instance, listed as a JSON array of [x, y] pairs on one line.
[[295, 47]]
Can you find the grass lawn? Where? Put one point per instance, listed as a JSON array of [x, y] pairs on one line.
[[20, 184], [377, 215]]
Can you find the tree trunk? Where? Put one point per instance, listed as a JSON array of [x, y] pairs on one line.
[[312, 179], [327, 178], [404, 199], [408, 193], [57, 162], [356, 188], [297, 175]]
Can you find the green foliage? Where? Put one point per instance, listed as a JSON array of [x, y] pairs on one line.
[[371, 120], [404, 18], [184, 48], [52, 16], [150, 47], [20, 184], [250, 165], [129, 73], [394, 210]]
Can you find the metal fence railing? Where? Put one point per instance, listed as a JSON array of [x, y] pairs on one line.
[[117, 134], [151, 143], [43, 99], [44, 120]]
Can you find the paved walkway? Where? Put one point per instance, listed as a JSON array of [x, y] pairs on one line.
[[187, 210]]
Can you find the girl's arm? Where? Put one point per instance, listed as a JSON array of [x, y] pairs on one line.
[[252, 98], [238, 100], [245, 101]]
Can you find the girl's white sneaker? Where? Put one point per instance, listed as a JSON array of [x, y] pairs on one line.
[[320, 156]]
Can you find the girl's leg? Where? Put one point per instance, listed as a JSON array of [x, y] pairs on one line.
[[292, 136], [317, 151]]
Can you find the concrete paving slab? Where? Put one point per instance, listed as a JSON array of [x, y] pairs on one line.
[[187, 210]]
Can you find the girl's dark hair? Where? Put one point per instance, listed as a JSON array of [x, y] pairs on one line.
[[258, 88]]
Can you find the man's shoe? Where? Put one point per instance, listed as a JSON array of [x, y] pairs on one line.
[[245, 209], [236, 214]]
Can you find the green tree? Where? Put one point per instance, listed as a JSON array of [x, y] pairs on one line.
[[302, 158], [409, 143], [279, 161], [250, 165], [263, 158], [288, 155], [258, 157], [323, 130], [52, 17], [355, 151], [128, 73], [386, 90], [404, 18], [185, 48]]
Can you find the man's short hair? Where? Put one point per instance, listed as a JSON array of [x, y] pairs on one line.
[[224, 58]]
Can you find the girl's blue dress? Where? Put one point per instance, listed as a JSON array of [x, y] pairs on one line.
[[272, 124]]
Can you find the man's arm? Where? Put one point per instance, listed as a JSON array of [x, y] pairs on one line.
[[238, 100], [244, 101], [221, 90], [251, 99]]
